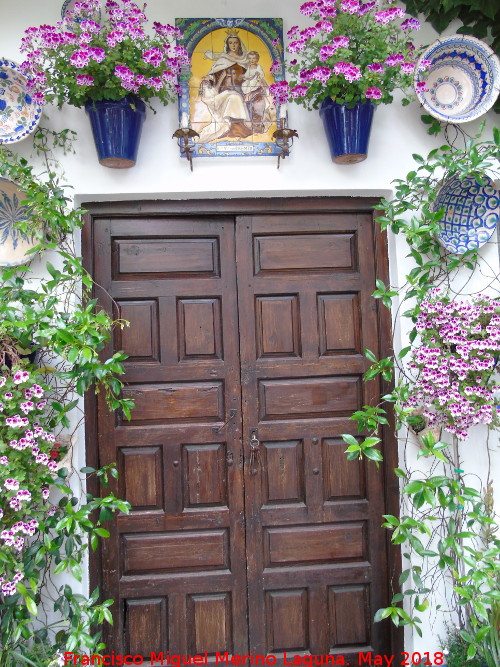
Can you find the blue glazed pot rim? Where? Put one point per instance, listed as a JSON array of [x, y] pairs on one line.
[[129, 100], [328, 103]]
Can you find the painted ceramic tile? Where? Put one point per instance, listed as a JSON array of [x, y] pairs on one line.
[[225, 91]]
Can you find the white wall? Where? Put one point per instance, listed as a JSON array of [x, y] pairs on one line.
[[161, 173]]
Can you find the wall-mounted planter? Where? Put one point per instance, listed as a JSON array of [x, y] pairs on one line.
[[347, 130], [117, 126], [421, 429]]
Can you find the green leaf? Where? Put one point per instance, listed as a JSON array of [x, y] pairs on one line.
[[102, 532], [413, 487], [404, 352], [422, 606], [370, 442], [382, 613], [394, 521], [76, 570], [349, 439], [404, 576], [31, 605], [471, 651], [373, 454], [61, 567]]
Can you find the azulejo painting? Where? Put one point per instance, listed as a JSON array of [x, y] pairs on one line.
[[225, 91]]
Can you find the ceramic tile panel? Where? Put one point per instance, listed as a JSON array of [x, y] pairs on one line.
[[225, 90]]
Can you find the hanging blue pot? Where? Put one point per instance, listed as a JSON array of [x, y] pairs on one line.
[[117, 125], [347, 130]]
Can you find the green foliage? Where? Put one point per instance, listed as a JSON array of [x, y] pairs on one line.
[[369, 41], [446, 528], [97, 55], [449, 528], [58, 314], [56, 318], [411, 212], [480, 18], [455, 648], [357, 450]]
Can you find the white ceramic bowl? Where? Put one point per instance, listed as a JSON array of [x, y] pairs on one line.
[[463, 80]]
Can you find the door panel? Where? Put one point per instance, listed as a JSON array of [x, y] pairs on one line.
[[177, 561], [249, 529], [304, 284]]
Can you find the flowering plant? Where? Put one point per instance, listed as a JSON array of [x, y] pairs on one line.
[[455, 360], [26, 471], [85, 58], [36, 535], [353, 52]]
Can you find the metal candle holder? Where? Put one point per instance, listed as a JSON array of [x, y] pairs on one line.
[[283, 137], [185, 139]]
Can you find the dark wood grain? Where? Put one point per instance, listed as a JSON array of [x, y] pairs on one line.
[[312, 540], [261, 307]]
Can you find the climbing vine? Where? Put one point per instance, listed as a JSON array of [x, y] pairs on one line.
[[446, 378], [52, 334]]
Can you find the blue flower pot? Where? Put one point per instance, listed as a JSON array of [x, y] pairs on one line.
[[117, 125], [347, 130]]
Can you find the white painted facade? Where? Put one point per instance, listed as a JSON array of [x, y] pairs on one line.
[[161, 174]]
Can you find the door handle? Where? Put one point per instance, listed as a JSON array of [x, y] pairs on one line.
[[254, 452]]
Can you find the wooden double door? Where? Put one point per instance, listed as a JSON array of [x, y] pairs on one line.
[[249, 529]]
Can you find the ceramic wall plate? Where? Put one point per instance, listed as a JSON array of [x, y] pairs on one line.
[[13, 244], [471, 213], [19, 115], [463, 80], [68, 6]]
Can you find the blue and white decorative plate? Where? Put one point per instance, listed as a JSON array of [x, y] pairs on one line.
[[19, 114], [471, 213], [68, 6], [13, 244], [463, 80]]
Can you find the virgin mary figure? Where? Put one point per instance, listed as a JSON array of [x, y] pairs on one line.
[[221, 91]]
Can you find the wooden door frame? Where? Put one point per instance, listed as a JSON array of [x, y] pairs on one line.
[[249, 206]]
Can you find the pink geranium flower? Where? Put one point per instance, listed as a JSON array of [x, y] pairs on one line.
[[69, 50]]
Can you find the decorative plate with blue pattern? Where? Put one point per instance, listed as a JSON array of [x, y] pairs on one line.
[[13, 244], [19, 114], [471, 213], [69, 6], [463, 80]]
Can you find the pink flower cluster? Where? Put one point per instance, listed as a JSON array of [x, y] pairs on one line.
[[81, 41], [26, 470], [279, 92], [350, 6], [350, 71], [347, 39], [389, 15], [455, 362]]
